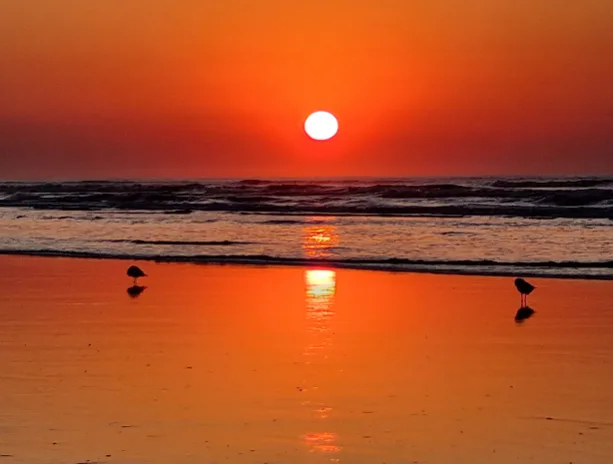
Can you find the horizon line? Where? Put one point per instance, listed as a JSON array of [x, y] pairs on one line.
[[299, 178]]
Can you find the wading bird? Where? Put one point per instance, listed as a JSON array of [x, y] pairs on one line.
[[135, 272], [525, 289]]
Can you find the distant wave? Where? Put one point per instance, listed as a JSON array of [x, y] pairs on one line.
[[564, 269], [557, 183], [529, 198], [282, 221], [538, 210], [292, 221], [180, 242], [70, 218]]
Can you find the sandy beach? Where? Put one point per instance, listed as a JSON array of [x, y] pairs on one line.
[[241, 364]]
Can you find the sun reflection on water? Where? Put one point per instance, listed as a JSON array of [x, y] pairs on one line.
[[324, 442], [320, 240], [320, 293], [321, 283]]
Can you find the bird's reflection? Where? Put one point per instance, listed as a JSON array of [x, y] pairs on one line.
[[523, 313], [135, 290]]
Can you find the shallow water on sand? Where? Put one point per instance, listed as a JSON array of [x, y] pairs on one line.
[[214, 364]]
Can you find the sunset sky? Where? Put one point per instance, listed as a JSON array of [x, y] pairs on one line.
[[164, 88]]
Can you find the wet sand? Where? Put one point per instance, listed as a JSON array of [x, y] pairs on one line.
[[238, 364]]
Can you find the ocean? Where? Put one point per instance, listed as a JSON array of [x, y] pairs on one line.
[[557, 227]]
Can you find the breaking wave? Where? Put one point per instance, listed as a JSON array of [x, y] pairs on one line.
[[559, 269]]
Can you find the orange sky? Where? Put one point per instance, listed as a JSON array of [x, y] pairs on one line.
[[220, 89]]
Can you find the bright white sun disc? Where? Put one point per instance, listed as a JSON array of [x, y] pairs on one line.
[[321, 125]]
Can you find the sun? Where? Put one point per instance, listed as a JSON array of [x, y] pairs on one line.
[[321, 125]]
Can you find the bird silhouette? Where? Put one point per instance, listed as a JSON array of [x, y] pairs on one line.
[[135, 272], [525, 289]]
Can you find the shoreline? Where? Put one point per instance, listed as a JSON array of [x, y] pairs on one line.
[[400, 266], [309, 365]]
